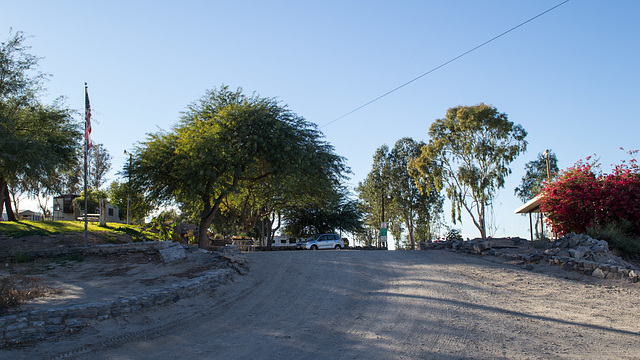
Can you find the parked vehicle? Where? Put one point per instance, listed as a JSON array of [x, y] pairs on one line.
[[321, 241], [283, 242]]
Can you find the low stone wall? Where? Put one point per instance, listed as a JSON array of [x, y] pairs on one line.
[[149, 247], [574, 252], [41, 324]]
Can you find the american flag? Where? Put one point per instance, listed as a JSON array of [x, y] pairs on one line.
[[87, 118]]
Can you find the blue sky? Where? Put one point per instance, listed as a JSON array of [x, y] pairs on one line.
[[570, 77]]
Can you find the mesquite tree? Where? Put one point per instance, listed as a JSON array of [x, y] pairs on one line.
[[227, 141], [37, 140]]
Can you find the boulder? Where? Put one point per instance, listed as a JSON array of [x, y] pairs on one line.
[[481, 246], [599, 273], [172, 253]]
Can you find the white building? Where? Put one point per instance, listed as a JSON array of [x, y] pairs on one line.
[[63, 210]]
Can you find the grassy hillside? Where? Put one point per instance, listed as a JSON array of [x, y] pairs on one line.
[[16, 229]]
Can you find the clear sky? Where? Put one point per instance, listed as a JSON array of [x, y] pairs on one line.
[[570, 77]]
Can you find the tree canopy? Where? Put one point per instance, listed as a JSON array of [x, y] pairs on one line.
[[419, 205], [118, 194], [409, 203], [534, 179], [335, 213], [471, 149], [37, 139], [535, 176], [227, 141]]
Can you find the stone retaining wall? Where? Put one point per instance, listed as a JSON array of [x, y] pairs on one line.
[[574, 252], [149, 247], [41, 324]]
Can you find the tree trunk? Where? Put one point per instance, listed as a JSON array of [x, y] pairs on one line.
[[208, 212], [205, 219], [203, 236], [268, 225], [3, 193], [272, 230], [412, 241], [483, 226], [6, 200]]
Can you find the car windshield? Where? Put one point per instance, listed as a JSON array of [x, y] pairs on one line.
[[311, 238]]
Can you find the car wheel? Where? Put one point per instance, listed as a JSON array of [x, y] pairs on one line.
[[314, 247], [338, 247]]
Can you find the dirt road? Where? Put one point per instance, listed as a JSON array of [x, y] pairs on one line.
[[376, 305]]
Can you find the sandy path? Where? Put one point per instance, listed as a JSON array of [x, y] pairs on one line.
[[376, 305]]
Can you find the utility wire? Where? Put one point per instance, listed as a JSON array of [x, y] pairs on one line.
[[443, 64]]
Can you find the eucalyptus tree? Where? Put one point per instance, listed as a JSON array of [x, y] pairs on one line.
[[374, 192], [224, 142], [99, 161], [416, 203], [37, 139], [408, 202], [472, 148]]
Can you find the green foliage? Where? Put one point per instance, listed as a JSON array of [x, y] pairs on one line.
[[337, 214], [163, 225], [533, 181], [37, 140], [376, 186], [622, 237], [453, 234], [137, 234], [93, 200], [580, 197], [21, 257], [99, 164], [16, 229], [468, 155], [224, 143], [118, 194], [536, 175], [72, 257], [419, 205], [408, 200]]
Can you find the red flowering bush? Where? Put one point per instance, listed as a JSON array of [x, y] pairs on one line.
[[579, 198]]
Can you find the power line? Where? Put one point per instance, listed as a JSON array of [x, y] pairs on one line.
[[444, 64]]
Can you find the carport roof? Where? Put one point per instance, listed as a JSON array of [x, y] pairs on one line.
[[531, 206]]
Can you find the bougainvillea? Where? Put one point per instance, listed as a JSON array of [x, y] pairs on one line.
[[580, 197]]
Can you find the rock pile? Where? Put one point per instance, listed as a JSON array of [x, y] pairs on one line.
[[575, 252], [237, 260]]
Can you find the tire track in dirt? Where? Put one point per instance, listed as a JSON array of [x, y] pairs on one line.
[[381, 305]]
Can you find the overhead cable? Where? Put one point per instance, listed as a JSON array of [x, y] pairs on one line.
[[444, 64]]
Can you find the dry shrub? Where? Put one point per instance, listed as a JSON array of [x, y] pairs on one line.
[[16, 289]]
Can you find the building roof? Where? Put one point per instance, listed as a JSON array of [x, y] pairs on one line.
[[531, 206]]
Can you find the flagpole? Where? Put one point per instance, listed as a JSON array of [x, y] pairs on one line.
[[86, 149]]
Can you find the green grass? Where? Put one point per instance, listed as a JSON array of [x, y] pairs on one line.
[[16, 229], [73, 257], [21, 258]]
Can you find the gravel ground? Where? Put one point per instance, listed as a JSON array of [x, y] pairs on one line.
[[376, 305]]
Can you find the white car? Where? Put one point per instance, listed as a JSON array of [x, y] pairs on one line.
[[321, 241]]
